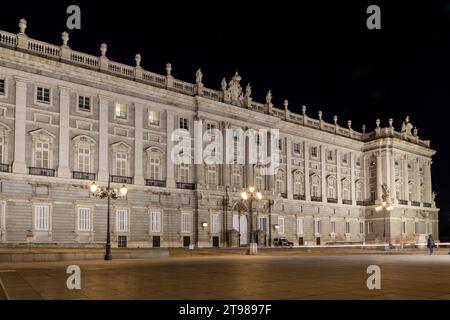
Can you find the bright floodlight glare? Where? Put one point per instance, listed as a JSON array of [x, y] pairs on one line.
[[244, 195], [93, 187], [251, 189], [123, 190], [259, 195], [384, 203]]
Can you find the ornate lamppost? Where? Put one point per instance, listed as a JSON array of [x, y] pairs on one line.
[[109, 193], [249, 195], [386, 206]]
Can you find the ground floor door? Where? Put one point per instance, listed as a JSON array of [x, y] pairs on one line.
[[186, 241], [240, 224], [156, 241], [215, 241], [122, 241]]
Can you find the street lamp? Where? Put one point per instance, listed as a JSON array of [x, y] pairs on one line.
[[109, 193], [250, 195], [386, 206]]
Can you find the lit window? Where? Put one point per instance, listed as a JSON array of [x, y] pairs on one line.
[[121, 110], [155, 221], [154, 117], [84, 219], [262, 224], [211, 175], [84, 103], [280, 225], [42, 152], [186, 222], [300, 226], [84, 159], [41, 217], [318, 226], [121, 164], [215, 224], [122, 220], [184, 173], [154, 166], [43, 95]]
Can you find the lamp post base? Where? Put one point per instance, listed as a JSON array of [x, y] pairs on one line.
[[253, 249], [108, 255]]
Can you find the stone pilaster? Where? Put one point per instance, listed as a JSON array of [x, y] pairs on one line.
[[405, 178], [19, 164], [64, 128], [324, 174], [103, 147], [352, 171], [138, 145], [289, 169], [307, 178], [379, 176], [170, 167], [338, 176]]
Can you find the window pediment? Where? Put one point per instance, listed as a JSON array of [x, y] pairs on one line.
[[42, 134], [121, 146], [84, 139]]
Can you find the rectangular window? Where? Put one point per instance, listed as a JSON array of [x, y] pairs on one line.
[[215, 224], [262, 224], [333, 227], [373, 195], [154, 118], [344, 158], [404, 227], [2, 87], [84, 103], [184, 173], [314, 152], [416, 227], [84, 159], [121, 111], [300, 226], [297, 148], [361, 227], [122, 220], [155, 167], [41, 217], [330, 155], [347, 227], [184, 123], [155, 221], [318, 226], [84, 219], [43, 95], [280, 144], [358, 161], [2, 150], [280, 225], [210, 128], [370, 227], [186, 222]]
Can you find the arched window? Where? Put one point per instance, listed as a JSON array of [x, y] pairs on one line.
[[211, 174], [155, 161], [84, 148], [280, 185], [259, 181], [42, 154], [121, 159], [331, 187], [315, 186], [299, 183], [346, 189], [236, 175]]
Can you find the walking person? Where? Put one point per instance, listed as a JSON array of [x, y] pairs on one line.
[[430, 244]]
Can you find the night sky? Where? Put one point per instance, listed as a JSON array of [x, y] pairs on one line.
[[313, 53]]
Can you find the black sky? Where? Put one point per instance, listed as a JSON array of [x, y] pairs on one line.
[[315, 53]]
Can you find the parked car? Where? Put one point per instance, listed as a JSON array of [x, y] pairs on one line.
[[282, 242]]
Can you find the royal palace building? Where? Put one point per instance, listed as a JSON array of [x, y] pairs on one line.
[[68, 118]]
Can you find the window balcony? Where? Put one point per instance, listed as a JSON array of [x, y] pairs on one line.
[[299, 197], [360, 203], [347, 201], [5, 167], [155, 183], [184, 185], [332, 200], [83, 175], [317, 199], [283, 195], [121, 179], [415, 203], [403, 202], [427, 205], [42, 172]]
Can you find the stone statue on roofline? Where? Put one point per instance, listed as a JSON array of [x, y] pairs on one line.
[[198, 76], [407, 127]]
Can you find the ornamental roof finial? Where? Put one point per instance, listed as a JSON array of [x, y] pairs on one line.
[[22, 25]]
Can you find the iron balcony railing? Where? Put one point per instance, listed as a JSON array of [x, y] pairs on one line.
[[283, 195], [5, 167], [332, 200], [184, 185], [155, 183], [427, 205], [122, 179], [299, 197], [83, 175], [42, 171], [318, 199], [344, 201], [415, 203]]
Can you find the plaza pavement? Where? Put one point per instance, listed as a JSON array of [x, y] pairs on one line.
[[271, 276]]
